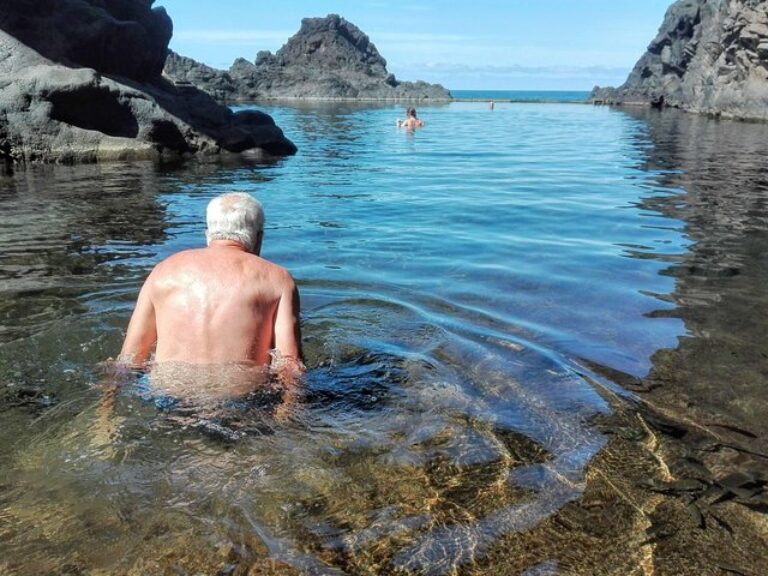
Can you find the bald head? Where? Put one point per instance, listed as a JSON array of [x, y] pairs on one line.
[[238, 217]]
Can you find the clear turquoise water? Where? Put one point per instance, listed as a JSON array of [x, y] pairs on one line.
[[457, 285], [526, 220]]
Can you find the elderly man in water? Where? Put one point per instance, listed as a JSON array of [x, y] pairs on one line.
[[218, 311]]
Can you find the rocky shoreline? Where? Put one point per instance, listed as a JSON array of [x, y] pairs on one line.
[[709, 57], [80, 81], [328, 59]]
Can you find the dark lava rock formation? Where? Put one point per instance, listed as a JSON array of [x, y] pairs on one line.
[[329, 58], [81, 80], [710, 56]]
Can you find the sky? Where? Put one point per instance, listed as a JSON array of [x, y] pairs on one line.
[[469, 45]]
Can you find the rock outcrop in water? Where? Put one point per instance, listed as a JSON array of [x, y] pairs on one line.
[[710, 56], [81, 80], [329, 58]]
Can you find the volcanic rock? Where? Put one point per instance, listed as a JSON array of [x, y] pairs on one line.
[[80, 80], [710, 56], [329, 58]]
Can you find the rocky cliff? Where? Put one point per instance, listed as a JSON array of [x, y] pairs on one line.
[[710, 56], [80, 80], [329, 58]]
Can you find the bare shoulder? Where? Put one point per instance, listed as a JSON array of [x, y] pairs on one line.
[[279, 275], [178, 259], [172, 264]]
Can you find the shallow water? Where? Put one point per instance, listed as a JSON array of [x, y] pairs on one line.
[[465, 291]]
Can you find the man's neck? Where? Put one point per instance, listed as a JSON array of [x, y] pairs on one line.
[[231, 244]]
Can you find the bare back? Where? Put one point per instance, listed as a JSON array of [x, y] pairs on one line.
[[215, 305], [412, 122]]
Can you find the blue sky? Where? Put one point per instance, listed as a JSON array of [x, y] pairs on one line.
[[480, 45]]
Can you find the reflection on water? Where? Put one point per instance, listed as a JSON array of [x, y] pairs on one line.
[[720, 281], [456, 286], [60, 225]]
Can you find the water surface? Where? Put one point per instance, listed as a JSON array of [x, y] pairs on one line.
[[472, 293]]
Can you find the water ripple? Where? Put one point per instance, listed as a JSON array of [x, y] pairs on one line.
[[455, 282]]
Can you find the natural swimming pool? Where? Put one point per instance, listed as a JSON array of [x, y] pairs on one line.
[[472, 295]]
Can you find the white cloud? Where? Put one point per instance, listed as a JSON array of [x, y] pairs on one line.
[[454, 60], [419, 39], [512, 76], [524, 71], [403, 49], [225, 37]]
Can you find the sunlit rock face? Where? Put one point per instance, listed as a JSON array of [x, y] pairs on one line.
[[81, 80], [328, 58], [710, 56]]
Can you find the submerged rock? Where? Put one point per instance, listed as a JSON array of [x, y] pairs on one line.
[[328, 58], [710, 56], [80, 80]]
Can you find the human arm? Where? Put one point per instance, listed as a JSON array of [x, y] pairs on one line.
[[287, 327], [106, 423], [141, 335], [287, 362]]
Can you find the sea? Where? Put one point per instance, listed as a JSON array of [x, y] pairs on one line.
[[534, 334]]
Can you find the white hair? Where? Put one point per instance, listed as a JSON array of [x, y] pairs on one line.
[[235, 216]]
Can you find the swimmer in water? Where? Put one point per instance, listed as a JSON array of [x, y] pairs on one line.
[[220, 305], [411, 121]]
